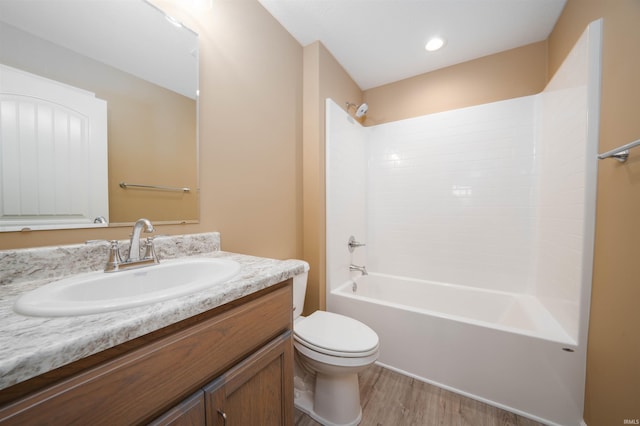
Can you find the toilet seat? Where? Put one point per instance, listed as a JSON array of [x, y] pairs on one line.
[[336, 335]]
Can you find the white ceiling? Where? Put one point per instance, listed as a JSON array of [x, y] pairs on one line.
[[133, 36], [382, 41]]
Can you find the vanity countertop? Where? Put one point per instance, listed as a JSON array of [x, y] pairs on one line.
[[30, 346]]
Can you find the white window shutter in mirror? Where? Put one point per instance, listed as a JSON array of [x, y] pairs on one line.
[[53, 154]]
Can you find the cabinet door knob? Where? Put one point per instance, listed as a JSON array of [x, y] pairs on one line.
[[224, 417]]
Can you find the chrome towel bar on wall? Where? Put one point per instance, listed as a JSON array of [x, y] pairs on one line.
[[125, 185], [621, 153]]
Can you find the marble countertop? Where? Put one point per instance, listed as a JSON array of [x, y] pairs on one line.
[[30, 346]]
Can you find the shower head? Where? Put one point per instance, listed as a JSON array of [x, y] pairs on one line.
[[361, 110]]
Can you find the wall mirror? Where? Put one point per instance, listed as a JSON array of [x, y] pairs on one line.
[[143, 65]]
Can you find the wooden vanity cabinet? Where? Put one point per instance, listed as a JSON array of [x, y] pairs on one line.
[[189, 412], [254, 392], [236, 363]]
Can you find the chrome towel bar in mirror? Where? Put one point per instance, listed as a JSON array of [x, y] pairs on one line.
[[125, 185]]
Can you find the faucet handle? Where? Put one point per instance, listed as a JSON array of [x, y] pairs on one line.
[[114, 257], [352, 244], [149, 250]]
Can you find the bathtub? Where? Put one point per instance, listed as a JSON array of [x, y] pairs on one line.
[[501, 348]]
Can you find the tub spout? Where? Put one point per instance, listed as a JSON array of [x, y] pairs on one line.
[[362, 269]]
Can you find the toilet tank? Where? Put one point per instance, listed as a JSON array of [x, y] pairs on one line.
[[299, 292]]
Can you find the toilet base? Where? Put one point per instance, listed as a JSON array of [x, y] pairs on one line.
[[329, 400]]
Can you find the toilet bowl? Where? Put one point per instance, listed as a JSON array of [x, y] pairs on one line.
[[330, 351]]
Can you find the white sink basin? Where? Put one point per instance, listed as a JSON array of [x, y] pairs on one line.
[[96, 292]]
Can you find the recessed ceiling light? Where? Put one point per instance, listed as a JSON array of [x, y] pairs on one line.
[[434, 44]]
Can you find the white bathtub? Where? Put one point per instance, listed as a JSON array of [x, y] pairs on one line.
[[501, 348]]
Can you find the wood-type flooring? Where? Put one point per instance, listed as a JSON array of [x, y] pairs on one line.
[[392, 399]]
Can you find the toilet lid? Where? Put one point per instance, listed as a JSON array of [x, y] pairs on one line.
[[335, 333]]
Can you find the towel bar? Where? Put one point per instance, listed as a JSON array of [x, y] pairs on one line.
[[621, 153], [125, 185]]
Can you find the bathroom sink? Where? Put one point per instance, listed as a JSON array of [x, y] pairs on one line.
[[96, 292]]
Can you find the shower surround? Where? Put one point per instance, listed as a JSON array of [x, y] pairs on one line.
[[466, 211]]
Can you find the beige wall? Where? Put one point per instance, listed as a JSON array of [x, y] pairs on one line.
[[511, 74], [152, 134], [250, 133], [613, 357], [323, 78]]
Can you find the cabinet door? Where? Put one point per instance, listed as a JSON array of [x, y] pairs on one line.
[[189, 412], [258, 391]]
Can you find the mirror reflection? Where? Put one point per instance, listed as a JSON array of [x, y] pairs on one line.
[[144, 67]]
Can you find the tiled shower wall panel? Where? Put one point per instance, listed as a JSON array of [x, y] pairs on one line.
[[452, 196], [346, 193], [563, 157]]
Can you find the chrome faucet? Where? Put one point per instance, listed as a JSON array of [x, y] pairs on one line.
[[134, 245], [133, 260], [362, 269]]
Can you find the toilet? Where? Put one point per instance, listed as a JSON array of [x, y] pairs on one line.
[[330, 350]]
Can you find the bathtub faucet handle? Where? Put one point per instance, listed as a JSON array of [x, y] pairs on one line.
[[353, 244]]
